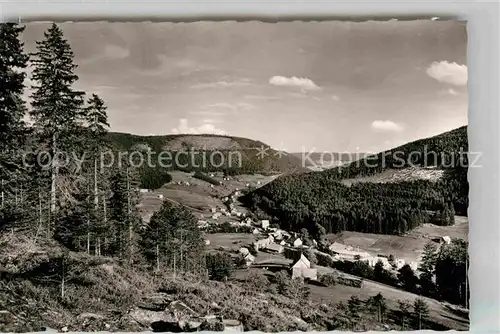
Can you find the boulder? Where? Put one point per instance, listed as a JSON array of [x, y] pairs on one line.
[[146, 318], [155, 302]]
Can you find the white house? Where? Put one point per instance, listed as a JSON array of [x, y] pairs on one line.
[[302, 268], [143, 191], [264, 223], [249, 258], [160, 196], [297, 242], [372, 261], [207, 242]]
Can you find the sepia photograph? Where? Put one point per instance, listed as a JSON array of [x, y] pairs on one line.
[[234, 176]]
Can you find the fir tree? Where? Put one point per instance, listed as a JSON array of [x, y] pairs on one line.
[[96, 126], [12, 110], [172, 240], [404, 308], [426, 269], [55, 104], [379, 304], [421, 310]]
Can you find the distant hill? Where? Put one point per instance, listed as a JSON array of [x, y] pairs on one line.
[[210, 153], [323, 200], [325, 160]]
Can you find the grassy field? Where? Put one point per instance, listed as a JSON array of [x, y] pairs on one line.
[[408, 247], [460, 230], [200, 196], [230, 241]]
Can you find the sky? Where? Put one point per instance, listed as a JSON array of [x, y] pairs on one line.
[[297, 86]]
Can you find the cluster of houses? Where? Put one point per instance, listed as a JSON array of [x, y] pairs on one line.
[[276, 240], [343, 252]]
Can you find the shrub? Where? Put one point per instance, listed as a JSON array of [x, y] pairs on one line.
[[327, 279], [257, 281], [219, 265]]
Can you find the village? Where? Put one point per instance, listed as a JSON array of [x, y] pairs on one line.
[[230, 227]]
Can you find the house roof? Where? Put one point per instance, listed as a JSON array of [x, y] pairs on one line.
[[274, 247], [303, 261]]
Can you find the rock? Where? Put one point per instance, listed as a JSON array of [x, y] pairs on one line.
[[155, 302], [232, 325], [214, 305], [146, 317], [107, 326], [85, 316], [181, 310]]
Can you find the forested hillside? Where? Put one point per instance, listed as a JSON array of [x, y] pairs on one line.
[[234, 155], [319, 200]]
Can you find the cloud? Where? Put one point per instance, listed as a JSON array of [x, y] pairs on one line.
[[386, 126], [207, 128], [222, 84], [302, 83], [231, 106], [450, 73]]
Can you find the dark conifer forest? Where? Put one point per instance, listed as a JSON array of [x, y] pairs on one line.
[[320, 198]]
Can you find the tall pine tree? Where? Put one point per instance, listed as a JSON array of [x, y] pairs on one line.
[[96, 125], [55, 104], [12, 110]]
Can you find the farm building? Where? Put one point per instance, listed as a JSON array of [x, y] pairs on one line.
[[302, 268], [244, 251], [347, 253], [275, 248], [372, 261], [264, 223], [297, 242], [207, 242], [262, 243], [202, 223], [249, 259]]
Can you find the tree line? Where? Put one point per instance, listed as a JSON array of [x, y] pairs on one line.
[[318, 199]]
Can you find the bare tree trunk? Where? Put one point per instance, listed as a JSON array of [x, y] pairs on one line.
[[39, 214], [130, 223], [96, 204], [62, 279], [3, 195], [105, 219], [88, 237], [158, 258], [174, 267], [53, 184]]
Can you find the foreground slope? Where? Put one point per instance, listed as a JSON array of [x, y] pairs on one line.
[[104, 294]]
